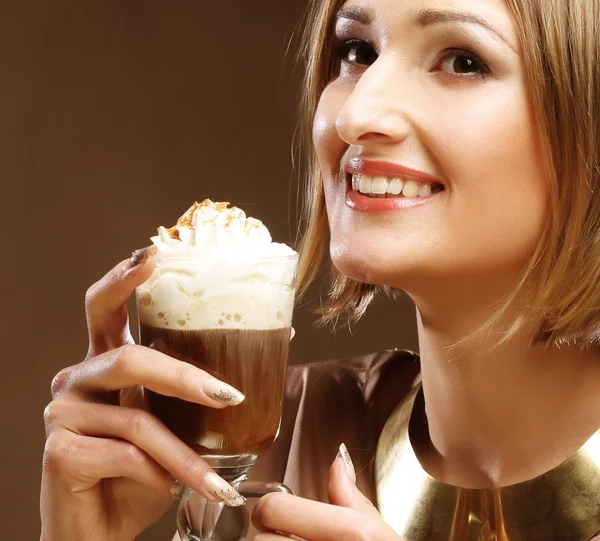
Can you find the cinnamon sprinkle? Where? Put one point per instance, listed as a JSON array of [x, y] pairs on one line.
[[186, 221]]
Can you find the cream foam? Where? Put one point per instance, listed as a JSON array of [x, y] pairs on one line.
[[218, 269]]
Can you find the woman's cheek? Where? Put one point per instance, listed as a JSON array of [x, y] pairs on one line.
[[492, 158], [329, 146]]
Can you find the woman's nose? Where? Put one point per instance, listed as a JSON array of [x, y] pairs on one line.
[[374, 110]]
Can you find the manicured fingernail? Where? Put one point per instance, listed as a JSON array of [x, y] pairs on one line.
[[343, 452], [221, 392], [222, 490], [140, 256], [292, 333], [176, 490]]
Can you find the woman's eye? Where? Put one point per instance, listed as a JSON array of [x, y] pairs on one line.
[[355, 51], [464, 64]]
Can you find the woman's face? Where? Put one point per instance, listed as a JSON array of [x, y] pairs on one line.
[[436, 90]]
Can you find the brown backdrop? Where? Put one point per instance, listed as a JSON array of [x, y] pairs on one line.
[[114, 117]]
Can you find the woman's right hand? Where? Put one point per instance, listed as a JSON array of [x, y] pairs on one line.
[[109, 466]]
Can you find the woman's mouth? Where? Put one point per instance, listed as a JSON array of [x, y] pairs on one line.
[[380, 193], [386, 187]]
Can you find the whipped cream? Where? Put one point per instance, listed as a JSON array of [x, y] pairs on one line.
[[218, 269]]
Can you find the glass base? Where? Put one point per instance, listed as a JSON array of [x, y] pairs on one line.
[[230, 467], [199, 519]]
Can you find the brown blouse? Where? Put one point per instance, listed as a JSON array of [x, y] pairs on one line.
[[342, 401]]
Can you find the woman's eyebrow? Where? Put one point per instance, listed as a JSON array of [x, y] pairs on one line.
[[425, 17], [355, 14]]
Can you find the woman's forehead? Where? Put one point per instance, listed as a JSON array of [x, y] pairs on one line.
[[394, 13]]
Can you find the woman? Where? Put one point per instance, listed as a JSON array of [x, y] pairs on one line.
[[479, 119]]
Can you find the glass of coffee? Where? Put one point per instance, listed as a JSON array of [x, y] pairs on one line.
[[221, 298]]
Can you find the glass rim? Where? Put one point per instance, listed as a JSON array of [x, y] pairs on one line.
[[253, 259]]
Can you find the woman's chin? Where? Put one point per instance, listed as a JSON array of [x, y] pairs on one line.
[[414, 271], [373, 270]]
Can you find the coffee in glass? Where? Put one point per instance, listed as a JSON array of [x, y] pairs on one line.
[[221, 298]]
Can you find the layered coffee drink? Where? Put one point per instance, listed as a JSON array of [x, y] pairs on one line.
[[221, 298]]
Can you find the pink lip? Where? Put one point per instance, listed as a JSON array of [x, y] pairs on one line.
[[358, 201], [388, 169]]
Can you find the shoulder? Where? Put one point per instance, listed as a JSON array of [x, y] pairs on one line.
[[360, 375], [329, 402]]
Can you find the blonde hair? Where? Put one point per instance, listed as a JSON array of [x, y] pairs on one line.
[[561, 52]]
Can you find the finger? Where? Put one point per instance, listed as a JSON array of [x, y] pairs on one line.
[[344, 493], [278, 512], [132, 365], [136, 427], [77, 463], [105, 300], [269, 536]]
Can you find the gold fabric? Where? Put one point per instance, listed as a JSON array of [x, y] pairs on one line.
[[560, 505]]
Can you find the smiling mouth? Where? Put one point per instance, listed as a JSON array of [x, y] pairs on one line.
[[380, 187]]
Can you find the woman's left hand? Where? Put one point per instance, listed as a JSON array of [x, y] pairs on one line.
[[349, 516]]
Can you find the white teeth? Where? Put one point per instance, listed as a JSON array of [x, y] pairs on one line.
[[380, 185], [425, 190], [365, 185], [410, 189], [395, 186]]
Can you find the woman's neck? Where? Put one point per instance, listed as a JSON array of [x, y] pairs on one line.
[[502, 416]]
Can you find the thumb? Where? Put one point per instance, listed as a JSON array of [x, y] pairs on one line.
[[106, 309], [342, 489]]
